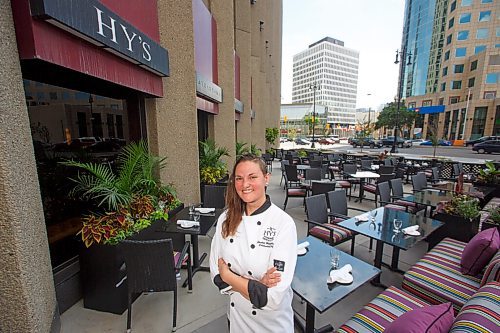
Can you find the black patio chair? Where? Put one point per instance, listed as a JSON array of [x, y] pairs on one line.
[[292, 175], [419, 182], [296, 191], [152, 266], [214, 196], [322, 187], [398, 193], [373, 188]]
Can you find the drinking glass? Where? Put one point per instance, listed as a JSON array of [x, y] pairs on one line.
[[191, 209], [196, 216], [334, 258], [397, 224]]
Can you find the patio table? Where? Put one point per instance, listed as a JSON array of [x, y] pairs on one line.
[[311, 273], [381, 229], [362, 175]]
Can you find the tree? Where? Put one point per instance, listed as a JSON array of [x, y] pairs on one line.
[[309, 120], [432, 130], [272, 134], [387, 118], [364, 130]]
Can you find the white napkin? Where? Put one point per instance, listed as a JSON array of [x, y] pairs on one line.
[[417, 165], [425, 164], [341, 275], [302, 248], [413, 230], [188, 223], [361, 218], [203, 210]]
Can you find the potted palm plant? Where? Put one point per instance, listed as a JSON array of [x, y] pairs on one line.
[[130, 196], [212, 169]]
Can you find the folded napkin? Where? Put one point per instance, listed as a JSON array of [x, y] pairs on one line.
[[413, 230], [341, 275], [203, 210], [188, 223], [425, 164], [361, 218], [302, 248]]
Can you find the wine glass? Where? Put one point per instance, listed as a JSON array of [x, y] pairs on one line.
[[334, 258], [397, 224]]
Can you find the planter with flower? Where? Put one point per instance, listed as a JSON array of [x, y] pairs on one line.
[[130, 196], [461, 217], [489, 176], [212, 169]]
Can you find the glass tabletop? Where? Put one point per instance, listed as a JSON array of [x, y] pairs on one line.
[[206, 223], [312, 271], [429, 197], [382, 227], [467, 188]]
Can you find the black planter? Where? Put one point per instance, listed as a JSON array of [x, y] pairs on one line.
[[455, 227], [487, 225], [174, 211]]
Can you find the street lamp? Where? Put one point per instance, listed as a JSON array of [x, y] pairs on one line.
[[314, 87], [402, 54]]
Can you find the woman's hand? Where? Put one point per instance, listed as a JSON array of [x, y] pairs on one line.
[[223, 269], [271, 278]]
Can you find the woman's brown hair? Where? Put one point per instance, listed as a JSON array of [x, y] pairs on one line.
[[236, 206]]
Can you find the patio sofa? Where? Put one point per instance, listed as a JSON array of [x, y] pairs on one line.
[[437, 281]]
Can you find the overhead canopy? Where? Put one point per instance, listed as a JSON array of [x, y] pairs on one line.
[[428, 109]]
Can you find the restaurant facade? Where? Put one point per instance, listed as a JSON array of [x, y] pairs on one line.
[[105, 73]]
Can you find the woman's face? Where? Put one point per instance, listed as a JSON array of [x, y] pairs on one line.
[[250, 182]]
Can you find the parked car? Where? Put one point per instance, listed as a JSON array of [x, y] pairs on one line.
[[367, 142], [417, 142], [301, 141], [470, 143], [490, 146], [326, 141], [441, 142], [401, 142], [335, 138]]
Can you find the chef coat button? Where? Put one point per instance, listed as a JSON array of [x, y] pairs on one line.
[[232, 304], [259, 223], [254, 312], [249, 273], [228, 264], [252, 246], [231, 240]]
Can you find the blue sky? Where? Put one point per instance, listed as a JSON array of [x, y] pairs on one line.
[[372, 27]]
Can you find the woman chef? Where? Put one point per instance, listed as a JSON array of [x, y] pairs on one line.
[[253, 253]]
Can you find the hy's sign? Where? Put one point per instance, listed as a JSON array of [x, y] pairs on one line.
[[208, 89], [92, 21]]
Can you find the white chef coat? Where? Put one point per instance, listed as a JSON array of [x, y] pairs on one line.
[[263, 240]]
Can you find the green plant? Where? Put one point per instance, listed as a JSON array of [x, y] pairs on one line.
[[241, 149], [302, 153], [462, 205], [212, 168], [272, 134], [494, 215], [254, 150], [490, 175]]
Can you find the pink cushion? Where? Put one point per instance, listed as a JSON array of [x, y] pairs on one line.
[[297, 192], [344, 183], [370, 188], [429, 319], [479, 251]]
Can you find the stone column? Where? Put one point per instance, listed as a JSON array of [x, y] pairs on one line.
[[27, 301]]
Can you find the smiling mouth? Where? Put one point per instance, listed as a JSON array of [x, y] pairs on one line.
[[247, 191]]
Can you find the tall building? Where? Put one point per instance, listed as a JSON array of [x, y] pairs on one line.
[[450, 72], [105, 73], [334, 69]]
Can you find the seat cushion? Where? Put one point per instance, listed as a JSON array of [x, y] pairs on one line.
[[297, 192], [437, 278], [377, 315], [479, 251], [492, 271], [395, 207], [344, 183], [481, 313], [339, 234], [370, 188], [429, 319]]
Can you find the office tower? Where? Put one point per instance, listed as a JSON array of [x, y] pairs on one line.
[[333, 68], [451, 68]]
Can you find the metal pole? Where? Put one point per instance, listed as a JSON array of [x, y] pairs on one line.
[[400, 79], [465, 115], [314, 87]]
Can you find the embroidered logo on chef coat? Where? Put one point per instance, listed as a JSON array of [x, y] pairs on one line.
[[279, 265], [267, 238]]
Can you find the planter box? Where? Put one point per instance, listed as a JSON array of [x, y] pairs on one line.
[[455, 227]]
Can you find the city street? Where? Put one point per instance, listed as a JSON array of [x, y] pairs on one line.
[[452, 152]]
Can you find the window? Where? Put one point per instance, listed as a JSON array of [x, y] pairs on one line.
[[471, 82], [479, 122], [427, 102], [458, 68], [456, 84], [463, 35], [448, 39], [492, 78], [453, 6], [479, 48], [441, 101], [473, 65], [482, 33], [464, 18], [466, 3], [412, 105], [490, 95], [65, 95], [40, 96], [445, 71], [460, 52], [454, 99], [494, 60], [486, 1], [451, 22], [485, 16], [447, 55], [443, 86], [497, 33]]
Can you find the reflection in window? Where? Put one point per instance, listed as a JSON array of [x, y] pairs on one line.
[[479, 122], [464, 18], [460, 52], [479, 48], [482, 33], [463, 35], [485, 16], [492, 78]]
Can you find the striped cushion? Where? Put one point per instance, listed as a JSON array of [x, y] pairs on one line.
[[339, 234], [344, 183], [411, 207], [492, 271], [395, 207], [481, 313], [177, 256], [437, 279], [370, 188], [381, 311]]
